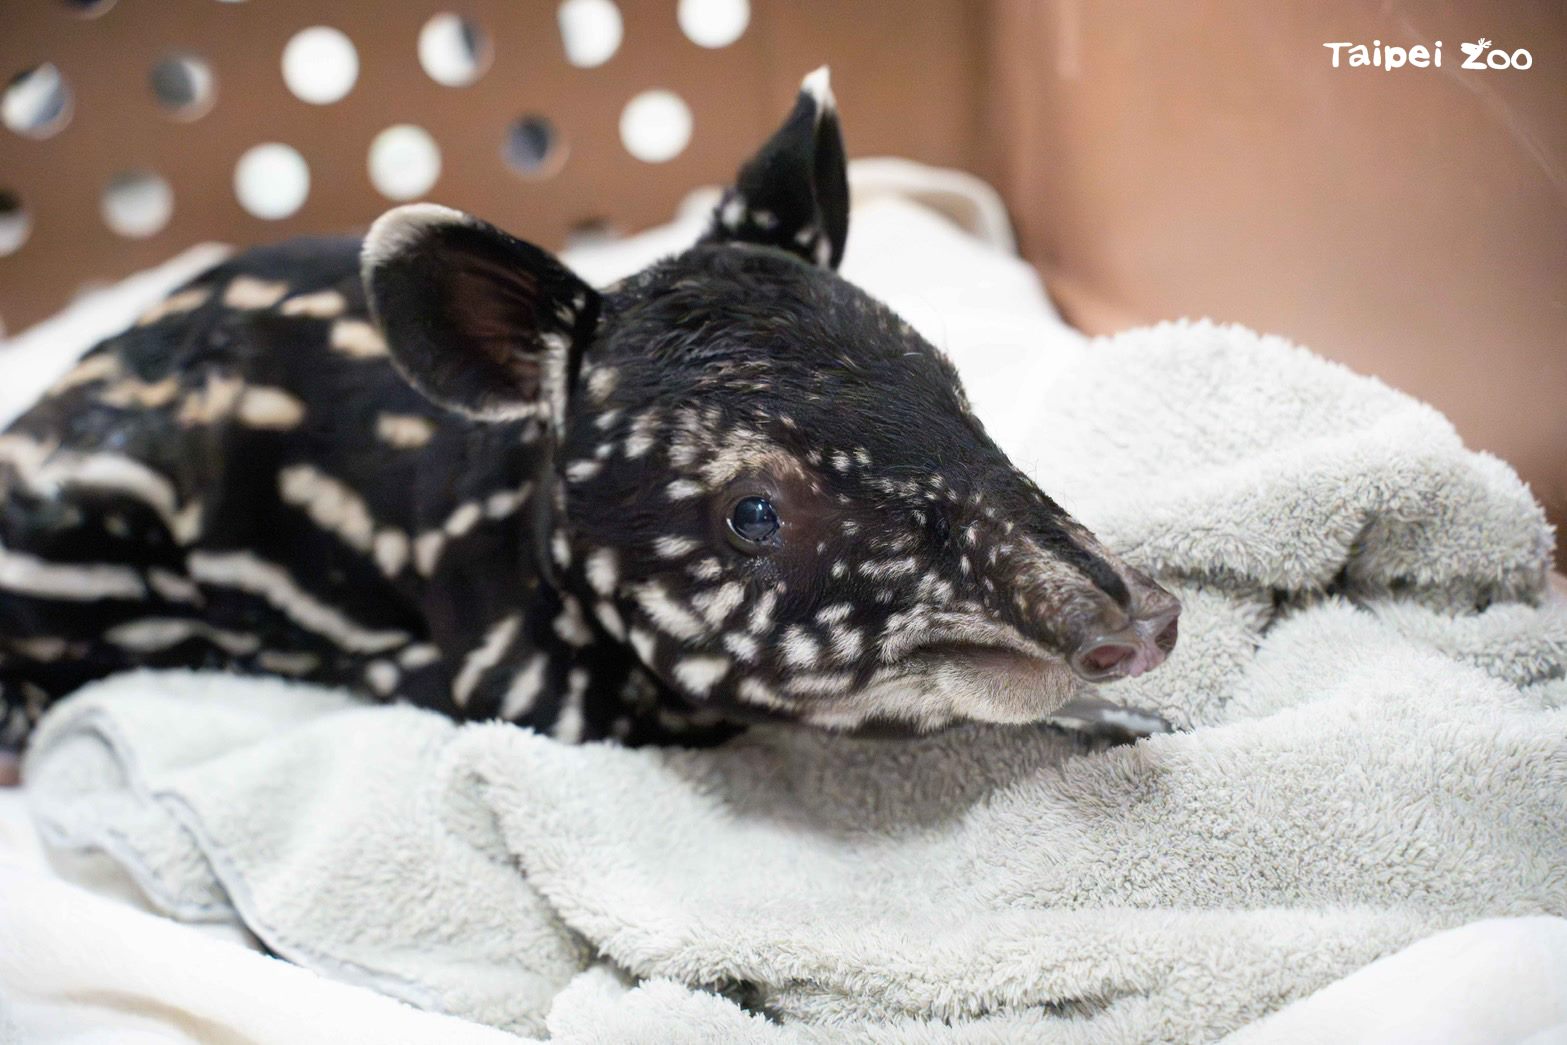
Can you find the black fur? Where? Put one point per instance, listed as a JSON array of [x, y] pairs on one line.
[[516, 504]]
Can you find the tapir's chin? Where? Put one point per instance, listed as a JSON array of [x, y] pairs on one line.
[[987, 684], [937, 686]]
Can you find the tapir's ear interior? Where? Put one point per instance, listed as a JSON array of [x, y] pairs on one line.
[[480, 322], [794, 193]]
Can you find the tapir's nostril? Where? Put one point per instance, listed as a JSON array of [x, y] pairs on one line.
[[1107, 643], [1129, 652], [1104, 660], [1165, 640]]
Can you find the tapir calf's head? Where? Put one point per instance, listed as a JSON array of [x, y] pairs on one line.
[[768, 484]]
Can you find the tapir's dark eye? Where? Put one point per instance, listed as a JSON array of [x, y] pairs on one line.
[[754, 520]]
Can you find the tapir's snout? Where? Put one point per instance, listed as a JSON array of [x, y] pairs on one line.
[[1125, 641]]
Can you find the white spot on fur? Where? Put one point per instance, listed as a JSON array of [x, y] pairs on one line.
[[526, 685], [500, 505], [603, 570], [674, 547], [762, 613], [829, 684], [419, 655], [732, 212], [609, 616], [152, 634], [834, 613], [172, 587], [569, 722], [175, 304], [742, 646], [427, 551], [130, 391], [602, 382], [250, 292], [846, 643], [358, 339], [323, 304], [383, 676], [698, 674], [756, 692], [96, 367], [484, 657], [640, 439], [884, 568], [262, 407], [391, 551], [463, 519], [404, 431], [570, 625], [245, 572], [800, 648], [46, 470], [330, 504], [716, 605], [668, 615], [212, 402], [287, 662], [583, 471], [682, 489], [645, 645]]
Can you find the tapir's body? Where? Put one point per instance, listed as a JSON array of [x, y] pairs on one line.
[[273, 496], [435, 466]]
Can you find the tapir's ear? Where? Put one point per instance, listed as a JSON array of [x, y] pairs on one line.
[[794, 193], [478, 321]]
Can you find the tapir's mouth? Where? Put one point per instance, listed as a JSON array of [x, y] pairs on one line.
[[982, 655], [1142, 646]]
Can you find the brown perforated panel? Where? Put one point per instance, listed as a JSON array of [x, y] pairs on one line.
[[905, 75]]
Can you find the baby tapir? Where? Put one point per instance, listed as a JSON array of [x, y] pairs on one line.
[[438, 467]]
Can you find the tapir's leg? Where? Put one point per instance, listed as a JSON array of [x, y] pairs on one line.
[[1099, 719]]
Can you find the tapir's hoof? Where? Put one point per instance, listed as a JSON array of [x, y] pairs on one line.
[[1111, 723]]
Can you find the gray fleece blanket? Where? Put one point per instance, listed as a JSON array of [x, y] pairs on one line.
[[1373, 747]]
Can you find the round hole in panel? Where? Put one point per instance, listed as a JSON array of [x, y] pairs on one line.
[[404, 162], [713, 23], [533, 147], [183, 85], [271, 180], [136, 204], [590, 31], [454, 50], [655, 126], [88, 8], [37, 101], [320, 65], [15, 223]]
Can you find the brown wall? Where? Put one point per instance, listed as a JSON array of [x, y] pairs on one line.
[[909, 74], [1184, 159]]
